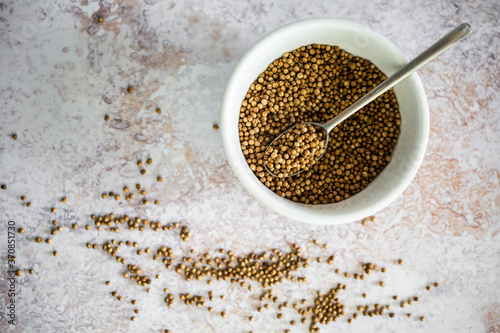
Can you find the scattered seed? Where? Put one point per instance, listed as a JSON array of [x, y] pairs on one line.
[[31, 271], [19, 273], [436, 284], [158, 110], [159, 179], [28, 204], [53, 210], [55, 253], [20, 230], [14, 136], [4, 187], [38, 239], [143, 171], [382, 283], [400, 261], [106, 118], [422, 318], [130, 89]]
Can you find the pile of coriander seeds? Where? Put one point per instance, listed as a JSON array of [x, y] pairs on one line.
[[314, 83]]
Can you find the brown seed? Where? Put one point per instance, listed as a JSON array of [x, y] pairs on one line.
[[391, 315], [382, 283], [19, 273], [48, 241], [223, 314], [436, 284], [55, 253], [4, 187], [14, 136], [23, 198], [31, 271], [216, 127], [383, 269], [395, 297], [100, 19], [158, 110], [143, 171], [117, 197], [157, 202], [428, 287], [74, 226], [364, 295], [159, 179], [64, 199], [53, 210], [409, 315], [28, 204], [400, 261], [20, 230], [106, 118], [38, 239], [422, 318], [108, 283], [415, 299], [130, 89], [132, 318]]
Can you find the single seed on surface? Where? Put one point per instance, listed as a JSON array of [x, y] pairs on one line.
[[149, 161], [422, 318], [4, 187], [38, 239], [55, 253], [403, 304], [383, 269], [14, 136], [159, 179], [108, 283], [117, 197], [391, 315], [395, 297], [132, 318], [415, 299], [143, 171], [158, 110], [20, 230], [23, 198], [428, 287], [64, 199], [436, 284], [19, 273], [364, 295], [216, 127], [223, 314], [130, 89], [31, 271], [400, 261], [48, 241], [106, 118], [409, 315], [28, 204], [382, 283]]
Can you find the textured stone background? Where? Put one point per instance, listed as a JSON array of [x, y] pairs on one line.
[[61, 72]]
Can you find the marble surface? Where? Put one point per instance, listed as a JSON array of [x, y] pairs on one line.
[[62, 71]]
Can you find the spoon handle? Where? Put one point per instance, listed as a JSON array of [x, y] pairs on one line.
[[423, 58]]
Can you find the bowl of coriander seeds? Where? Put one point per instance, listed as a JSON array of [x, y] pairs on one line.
[[310, 71]]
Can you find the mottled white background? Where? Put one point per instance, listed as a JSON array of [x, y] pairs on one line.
[[61, 72]]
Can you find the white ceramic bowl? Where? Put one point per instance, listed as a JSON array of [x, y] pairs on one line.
[[360, 41]]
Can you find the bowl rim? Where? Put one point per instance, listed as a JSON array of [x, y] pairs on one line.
[[308, 216]]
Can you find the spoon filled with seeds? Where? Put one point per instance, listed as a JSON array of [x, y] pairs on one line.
[[298, 148]]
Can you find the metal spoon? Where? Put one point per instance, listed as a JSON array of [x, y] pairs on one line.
[[422, 59]]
